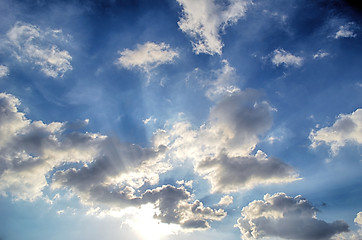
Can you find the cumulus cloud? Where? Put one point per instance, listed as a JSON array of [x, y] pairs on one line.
[[30, 149], [147, 56], [4, 71], [346, 129], [204, 20], [175, 207], [229, 174], [285, 217], [234, 125], [33, 45], [353, 235], [225, 201], [345, 31], [282, 57], [222, 148]]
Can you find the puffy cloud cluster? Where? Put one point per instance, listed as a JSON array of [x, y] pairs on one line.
[[33, 45], [346, 129], [222, 148], [345, 31], [285, 217], [204, 20], [4, 71], [147, 56], [282, 57], [29, 150], [108, 172]]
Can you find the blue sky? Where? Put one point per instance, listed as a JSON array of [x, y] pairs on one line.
[[180, 119]]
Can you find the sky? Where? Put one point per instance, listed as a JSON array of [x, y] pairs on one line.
[[180, 119]]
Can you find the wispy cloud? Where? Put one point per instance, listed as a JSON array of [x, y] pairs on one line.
[[346, 31], [204, 20], [36, 46], [282, 216], [320, 54], [282, 57], [147, 56], [4, 71], [223, 85]]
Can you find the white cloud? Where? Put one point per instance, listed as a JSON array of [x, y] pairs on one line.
[[345, 31], [109, 177], [147, 56], [358, 219], [282, 57], [30, 149], [223, 85], [221, 149], [33, 45], [346, 129], [149, 120], [320, 54], [285, 217], [4, 71], [203, 21], [225, 201]]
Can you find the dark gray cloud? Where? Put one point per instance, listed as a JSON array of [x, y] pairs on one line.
[[285, 217], [174, 204], [114, 158], [232, 173], [243, 113]]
